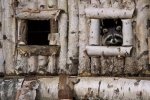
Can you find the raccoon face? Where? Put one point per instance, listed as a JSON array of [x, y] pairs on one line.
[[112, 36]]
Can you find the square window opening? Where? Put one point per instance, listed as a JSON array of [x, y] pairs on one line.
[[37, 32]]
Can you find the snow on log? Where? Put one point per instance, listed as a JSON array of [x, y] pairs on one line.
[[101, 13], [63, 31], [108, 51], [41, 15], [127, 32]]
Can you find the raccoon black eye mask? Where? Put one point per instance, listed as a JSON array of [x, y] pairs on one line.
[[112, 36]]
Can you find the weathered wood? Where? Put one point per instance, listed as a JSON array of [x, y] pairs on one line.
[[127, 32], [9, 35], [52, 3], [39, 15], [42, 4], [38, 50], [2, 71], [42, 64], [32, 66], [53, 40], [84, 60], [149, 48], [108, 51], [22, 31], [96, 13], [73, 38], [63, 31], [95, 40]]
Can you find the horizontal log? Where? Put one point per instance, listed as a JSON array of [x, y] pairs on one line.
[[101, 13], [108, 50], [39, 15], [38, 50], [93, 88]]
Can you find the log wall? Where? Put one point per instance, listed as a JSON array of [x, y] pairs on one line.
[[75, 48]]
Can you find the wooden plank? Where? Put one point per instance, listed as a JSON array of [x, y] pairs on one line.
[[38, 50]]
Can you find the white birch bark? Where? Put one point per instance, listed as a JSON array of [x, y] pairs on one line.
[[108, 51], [72, 61], [42, 4], [42, 15], [95, 40], [84, 61], [9, 33], [32, 64], [127, 32], [97, 13], [53, 3], [141, 26], [42, 64], [2, 70], [63, 31]]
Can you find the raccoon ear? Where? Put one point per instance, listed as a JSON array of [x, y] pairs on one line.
[[118, 28], [105, 30]]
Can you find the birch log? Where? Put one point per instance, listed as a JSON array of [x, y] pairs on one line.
[[84, 61], [95, 40], [32, 64], [2, 71], [141, 28], [42, 4], [42, 64], [108, 51], [97, 13], [42, 15], [9, 31], [72, 61], [127, 32], [53, 40], [63, 31], [52, 3]]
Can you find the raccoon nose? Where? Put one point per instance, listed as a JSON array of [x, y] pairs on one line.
[[113, 41]]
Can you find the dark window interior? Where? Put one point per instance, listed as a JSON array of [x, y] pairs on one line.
[[38, 31]]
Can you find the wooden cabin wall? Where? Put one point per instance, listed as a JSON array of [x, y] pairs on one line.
[[73, 35]]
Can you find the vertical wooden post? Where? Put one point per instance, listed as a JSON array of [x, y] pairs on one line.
[[95, 40], [142, 32], [73, 51], [84, 61], [63, 31], [9, 31], [52, 64]]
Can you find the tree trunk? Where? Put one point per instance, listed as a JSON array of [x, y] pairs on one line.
[[72, 61]]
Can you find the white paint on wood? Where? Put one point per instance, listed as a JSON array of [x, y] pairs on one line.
[[108, 51]]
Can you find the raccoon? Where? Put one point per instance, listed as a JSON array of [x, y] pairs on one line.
[[112, 33]]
